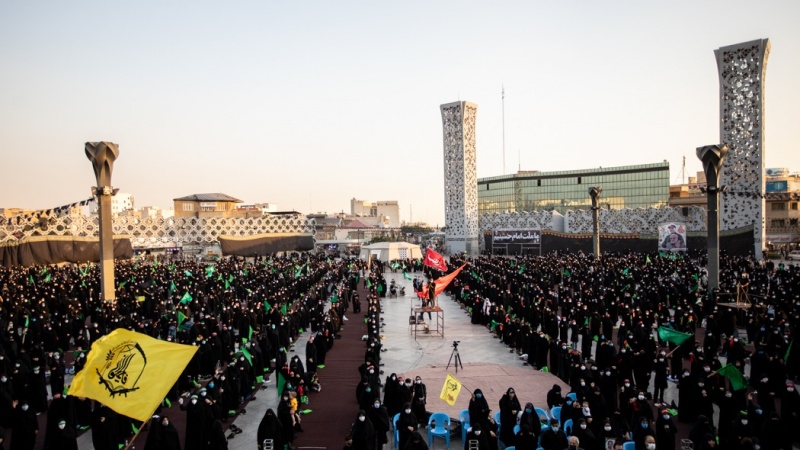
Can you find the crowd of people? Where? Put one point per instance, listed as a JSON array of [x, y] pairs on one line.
[[589, 322]]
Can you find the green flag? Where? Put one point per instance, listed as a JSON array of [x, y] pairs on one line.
[[281, 383], [219, 277], [521, 269], [187, 273], [733, 375], [335, 298], [647, 259], [283, 309], [227, 285], [181, 318], [626, 271], [267, 306], [475, 275], [395, 265], [171, 287], [788, 351], [30, 280], [123, 283], [675, 337], [406, 275], [250, 334], [380, 288], [47, 278], [186, 298], [209, 270], [369, 284], [171, 267], [298, 273], [567, 273], [247, 355]]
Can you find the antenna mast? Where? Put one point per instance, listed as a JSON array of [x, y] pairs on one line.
[[503, 98], [682, 174]]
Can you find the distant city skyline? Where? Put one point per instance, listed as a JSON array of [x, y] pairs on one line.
[[309, 107]]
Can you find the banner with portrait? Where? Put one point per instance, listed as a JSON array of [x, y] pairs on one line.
[[672, 237]]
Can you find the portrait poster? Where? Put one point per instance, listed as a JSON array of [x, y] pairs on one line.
[[672, 237]]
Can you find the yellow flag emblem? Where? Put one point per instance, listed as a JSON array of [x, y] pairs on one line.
[[130, 372], [450, 390]]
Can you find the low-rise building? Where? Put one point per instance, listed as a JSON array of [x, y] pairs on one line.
[[206, 205]]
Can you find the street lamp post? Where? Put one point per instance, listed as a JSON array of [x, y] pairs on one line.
[[102, 155], [712, 157], [595, 192]]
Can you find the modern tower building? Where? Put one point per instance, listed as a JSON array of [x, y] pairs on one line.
[[742, 68], [460, 178]]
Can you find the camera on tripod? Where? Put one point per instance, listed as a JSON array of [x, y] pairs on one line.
[[455, 344]]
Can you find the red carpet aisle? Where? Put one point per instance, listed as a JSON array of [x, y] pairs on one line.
[[335, 407]]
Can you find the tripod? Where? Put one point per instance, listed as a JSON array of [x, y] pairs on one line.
[[457, 357]]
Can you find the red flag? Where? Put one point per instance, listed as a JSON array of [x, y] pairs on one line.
[[435, 260], [441, 283]]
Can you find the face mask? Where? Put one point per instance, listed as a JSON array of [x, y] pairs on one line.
[[418, 381], [478, 395], [394, 378], [408, 411], [165, 423], [371, 371], [194, 401], [361, 418], [660, 359], [744, 421], [627, 385], [56, 357], [477, 432], [608, 373], [641, 397], [583, 426], [665, 416], [789, 389], [211, 385], [368, 390], [569, 402], [607, 428], [377, 405], [555, 429], [583, 383], [24, 407], [728, 395], [408, 384], [758, 411], [651, 446], [528, 410], [644, 425], [707, 369], [3, 379], [583, 367], [701, 384]]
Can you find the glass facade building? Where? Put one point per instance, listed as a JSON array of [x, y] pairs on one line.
[[641, 186]]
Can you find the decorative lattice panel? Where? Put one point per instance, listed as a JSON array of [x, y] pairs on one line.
[[636, 220], [159, 232], [742, 68], [460, 176], [542, 220]]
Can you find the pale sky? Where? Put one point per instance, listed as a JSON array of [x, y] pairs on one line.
[[309, 104]]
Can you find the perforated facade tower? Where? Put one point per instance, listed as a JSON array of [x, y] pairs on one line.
[[460, 178], [742, 68]]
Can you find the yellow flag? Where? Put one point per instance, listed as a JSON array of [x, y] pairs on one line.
[[130, 372], [450, 390]]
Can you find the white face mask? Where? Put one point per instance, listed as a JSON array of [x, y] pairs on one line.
[[665, 416], [361, 418], [607, 428], [651, 446], [477, 432], [408, 411], [744, 421], [555, 429], [61, 426], [194, 401], [24, 407], [641, 397], [583, 426]]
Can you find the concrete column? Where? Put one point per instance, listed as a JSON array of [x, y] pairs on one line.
[[102, 155], [712, 157]]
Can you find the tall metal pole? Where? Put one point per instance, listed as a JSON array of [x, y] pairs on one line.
[[503, 98], [594, 193], [102, 155], [712, 157]]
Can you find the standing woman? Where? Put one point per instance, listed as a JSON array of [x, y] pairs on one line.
[[285, 417], [478, 409], [270, 428], [509, 407], [419, 399], [362, 433]]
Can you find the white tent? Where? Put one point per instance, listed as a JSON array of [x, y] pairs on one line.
[[387, 251]]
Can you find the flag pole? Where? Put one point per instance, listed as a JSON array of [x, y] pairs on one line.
[[130, 443]]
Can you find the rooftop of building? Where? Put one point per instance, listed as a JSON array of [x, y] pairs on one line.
[[217, 197], [534, 174]]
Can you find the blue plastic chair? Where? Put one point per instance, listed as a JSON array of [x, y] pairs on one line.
[[630, 445], [439, 425], [568, 428], [555, 413], [463, 417], [516, 430], [396, 431], [497, 418], [544, 417], [573, 396], [511, 448]]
